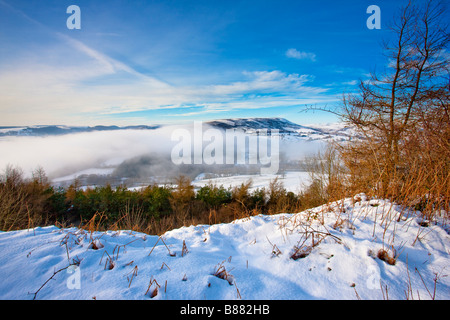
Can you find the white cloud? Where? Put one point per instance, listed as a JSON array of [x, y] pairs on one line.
[[84, 86], [300, 55], [87, 85], [351, 83], [262, 81]]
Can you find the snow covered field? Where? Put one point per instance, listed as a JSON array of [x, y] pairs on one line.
[[294, 181], [330, 252]]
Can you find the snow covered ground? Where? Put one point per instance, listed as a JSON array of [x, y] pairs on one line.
[[294, 181], [330, 252]]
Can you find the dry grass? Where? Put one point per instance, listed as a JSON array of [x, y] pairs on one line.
[[221, 272], [184, 250], [384, 255], [109, 262], [132, 218], [134, 274], [95, 223], [152, 288], [21, 201], [172, 254]]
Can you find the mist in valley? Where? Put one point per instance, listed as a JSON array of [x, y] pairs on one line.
[[132, 157]]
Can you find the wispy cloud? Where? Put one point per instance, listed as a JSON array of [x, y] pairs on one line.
[[300, 55], [89, 82], [70, 82], [111, 65], [262, 82]]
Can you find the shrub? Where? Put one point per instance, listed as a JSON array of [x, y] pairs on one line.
[[22, 201], [214, 196], [156, 201]]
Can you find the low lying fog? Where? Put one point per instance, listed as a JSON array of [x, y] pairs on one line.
[[129, 153]]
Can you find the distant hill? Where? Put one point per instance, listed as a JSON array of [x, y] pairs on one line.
[[249, 124], [286, 128], [60, 130]]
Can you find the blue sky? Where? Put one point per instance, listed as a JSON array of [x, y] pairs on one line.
[[146, 62]]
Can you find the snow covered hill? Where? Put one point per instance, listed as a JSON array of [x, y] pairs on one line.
[[248, 125], [286, 128], [43, 130], [357, 248]]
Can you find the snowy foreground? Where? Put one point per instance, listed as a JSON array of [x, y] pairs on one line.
[[330, 252]]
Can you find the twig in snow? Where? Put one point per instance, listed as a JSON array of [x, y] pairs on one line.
[[238, 294], [275, 251], [160, 238], [185, 250], [134, 274], [435, 280], [154, 292], [109, 259], [54, 274], [154, 247], [221, 273], [384, 291], [164, 264]]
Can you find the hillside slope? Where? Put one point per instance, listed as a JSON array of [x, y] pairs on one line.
[[330, 252]]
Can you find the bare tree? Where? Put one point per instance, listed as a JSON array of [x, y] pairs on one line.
[[415, 82]]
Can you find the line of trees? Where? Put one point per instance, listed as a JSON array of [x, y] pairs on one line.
[[27, 203]]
